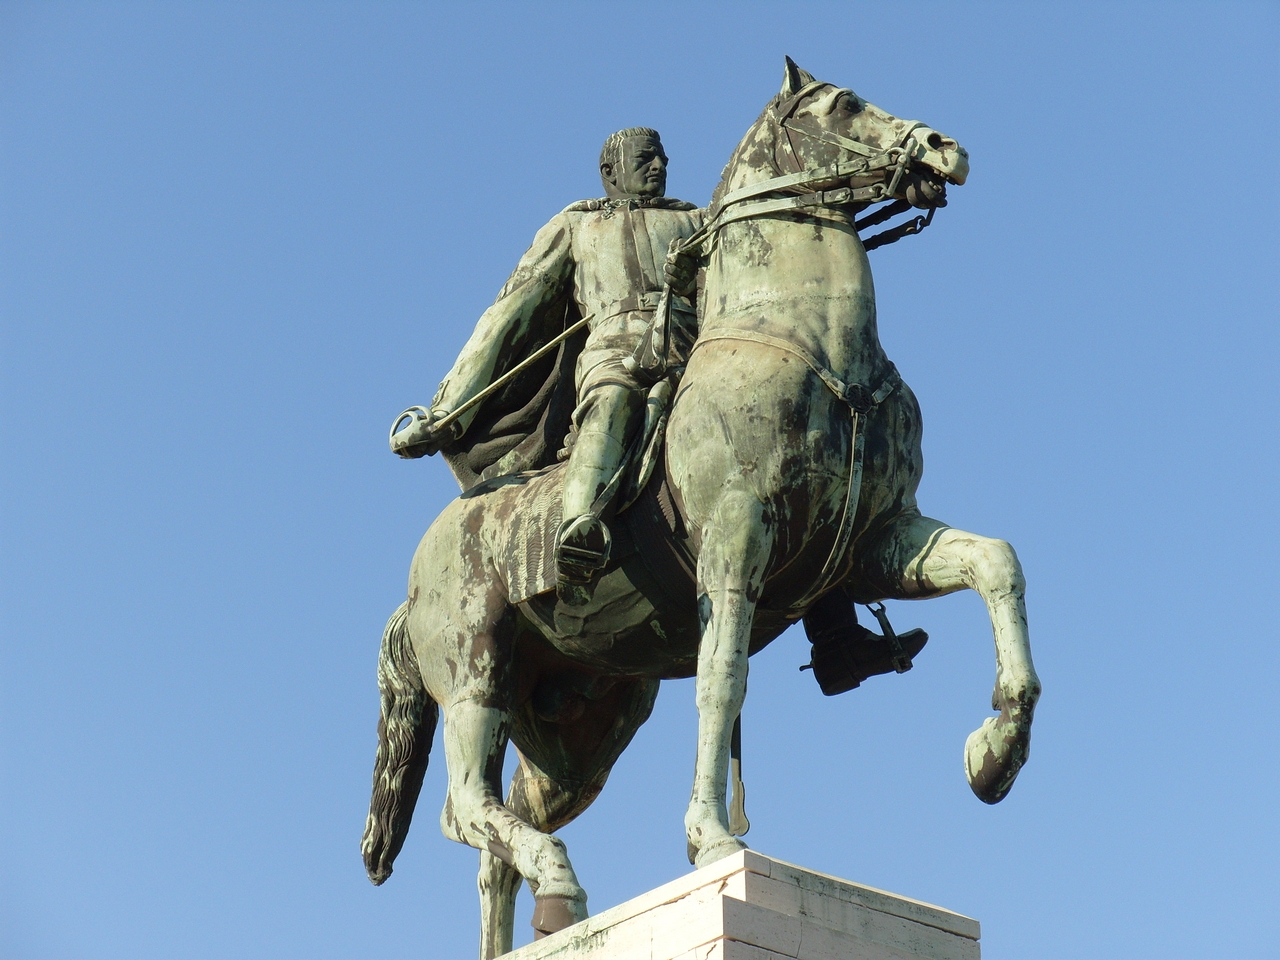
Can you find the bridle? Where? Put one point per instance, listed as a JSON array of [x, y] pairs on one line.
[[754, 201], [783, 119]]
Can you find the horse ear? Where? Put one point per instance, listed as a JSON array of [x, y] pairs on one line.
[[793, 79]]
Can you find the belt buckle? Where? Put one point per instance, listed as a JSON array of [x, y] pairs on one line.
[[858, 397]]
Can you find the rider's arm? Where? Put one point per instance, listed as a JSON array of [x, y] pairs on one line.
[[501, 335]]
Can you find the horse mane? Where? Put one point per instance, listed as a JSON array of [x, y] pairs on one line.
[[752, 140], [749, 140]]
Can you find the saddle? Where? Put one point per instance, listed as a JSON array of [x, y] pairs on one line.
[[527, 560], [641, 615]]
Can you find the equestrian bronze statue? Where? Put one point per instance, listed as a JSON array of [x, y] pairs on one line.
[[764, 473]]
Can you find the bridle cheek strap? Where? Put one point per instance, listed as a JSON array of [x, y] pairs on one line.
[[782, 116]]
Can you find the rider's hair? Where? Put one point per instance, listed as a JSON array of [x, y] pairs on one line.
[[611, 152]]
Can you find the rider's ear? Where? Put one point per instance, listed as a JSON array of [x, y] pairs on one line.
[[793, 79], [606, 174]]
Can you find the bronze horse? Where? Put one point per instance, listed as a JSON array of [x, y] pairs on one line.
[[791, 464]]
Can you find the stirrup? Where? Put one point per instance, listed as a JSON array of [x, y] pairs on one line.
[[582, 549], [845, 653]]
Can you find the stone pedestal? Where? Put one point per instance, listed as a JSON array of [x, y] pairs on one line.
[[752, 907]]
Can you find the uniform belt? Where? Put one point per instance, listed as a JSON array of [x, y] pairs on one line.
[[641, 303]]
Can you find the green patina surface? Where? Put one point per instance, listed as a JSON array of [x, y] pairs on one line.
[[786, 488]]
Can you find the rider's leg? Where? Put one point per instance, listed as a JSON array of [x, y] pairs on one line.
[[916, 558], [605, 419]]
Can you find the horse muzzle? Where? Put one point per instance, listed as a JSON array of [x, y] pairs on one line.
[[941, 154]]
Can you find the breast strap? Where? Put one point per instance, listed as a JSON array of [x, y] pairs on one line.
[[858, 397], [861, 401]]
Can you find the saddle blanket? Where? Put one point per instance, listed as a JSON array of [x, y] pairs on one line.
[[525, 555]]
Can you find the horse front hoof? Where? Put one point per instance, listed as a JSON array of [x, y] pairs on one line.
[[993, 755], [718, 850], [553, 913]]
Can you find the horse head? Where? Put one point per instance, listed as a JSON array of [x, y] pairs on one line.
[[815, 126]]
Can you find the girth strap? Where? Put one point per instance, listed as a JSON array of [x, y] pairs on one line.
[[858, 397]]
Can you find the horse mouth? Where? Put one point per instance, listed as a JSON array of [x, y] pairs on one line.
[[925, 188]]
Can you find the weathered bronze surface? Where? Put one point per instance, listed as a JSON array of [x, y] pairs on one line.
[[769, 475]]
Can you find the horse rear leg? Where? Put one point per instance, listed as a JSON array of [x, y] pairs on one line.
[[563, 767], [475, 740], [736, 545], [916, 558], [464, 635], [498, 882]]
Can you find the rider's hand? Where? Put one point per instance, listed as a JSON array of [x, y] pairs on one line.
[[681, 270], [422, 438]]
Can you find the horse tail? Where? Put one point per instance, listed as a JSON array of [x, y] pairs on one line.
[[405, 729]]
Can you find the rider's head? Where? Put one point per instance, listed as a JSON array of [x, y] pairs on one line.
[[633, 164]]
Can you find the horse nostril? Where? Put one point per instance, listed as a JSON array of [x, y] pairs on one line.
[[935, 140]]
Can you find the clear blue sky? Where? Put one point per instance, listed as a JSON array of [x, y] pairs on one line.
[[236, 239]]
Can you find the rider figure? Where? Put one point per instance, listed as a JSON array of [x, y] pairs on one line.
[[610, 254]]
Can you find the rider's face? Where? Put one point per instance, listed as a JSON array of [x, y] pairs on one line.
[[640, 172]]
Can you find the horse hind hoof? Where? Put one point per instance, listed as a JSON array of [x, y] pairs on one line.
[[552, 914]]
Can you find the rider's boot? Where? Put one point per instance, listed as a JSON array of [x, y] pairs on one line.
[[583, 542], [845, 653], [605, 420]]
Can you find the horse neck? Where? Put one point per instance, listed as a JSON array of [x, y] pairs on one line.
[[804, 280]]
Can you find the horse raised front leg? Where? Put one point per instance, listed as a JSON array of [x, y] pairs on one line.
[[475, 741], [917, 558], [731, 568]]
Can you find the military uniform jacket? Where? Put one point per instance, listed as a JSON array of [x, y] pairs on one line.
[[597, 258]]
